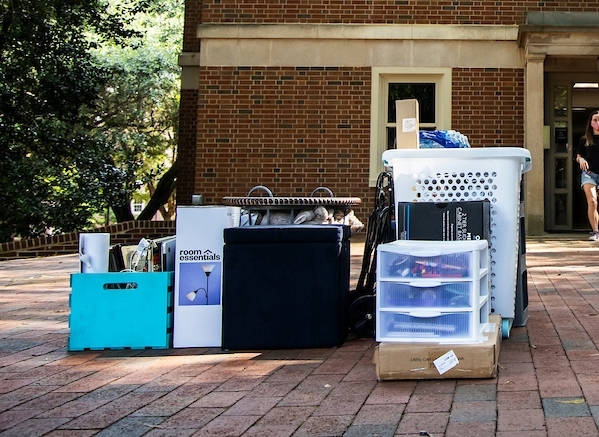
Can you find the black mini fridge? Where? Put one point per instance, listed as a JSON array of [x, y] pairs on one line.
[[285, 287]]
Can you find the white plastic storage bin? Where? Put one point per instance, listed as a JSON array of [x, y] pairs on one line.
[[432, 291], [454, 175]]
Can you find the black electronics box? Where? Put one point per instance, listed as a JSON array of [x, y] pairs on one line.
[[468, 220]]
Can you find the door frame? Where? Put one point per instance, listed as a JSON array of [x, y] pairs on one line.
[[558, 161], [558, 157]]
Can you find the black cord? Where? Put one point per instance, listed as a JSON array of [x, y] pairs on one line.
[[378, 230]]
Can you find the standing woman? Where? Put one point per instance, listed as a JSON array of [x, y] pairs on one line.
[[587, 156]]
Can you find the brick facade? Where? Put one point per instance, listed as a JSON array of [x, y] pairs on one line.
[[293, 126], [293, 129], [383, 11], [193, 16], [186, 153], [488, 105]]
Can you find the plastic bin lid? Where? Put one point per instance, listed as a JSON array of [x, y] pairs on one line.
[[273, 234], [433, 245], [517, 153]]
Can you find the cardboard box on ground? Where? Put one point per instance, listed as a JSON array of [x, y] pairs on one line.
[[417, 360]]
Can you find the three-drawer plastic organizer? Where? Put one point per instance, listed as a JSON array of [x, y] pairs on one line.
[[457, 175], [432, 291]]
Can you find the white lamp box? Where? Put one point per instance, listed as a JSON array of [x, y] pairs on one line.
[[199, 272]]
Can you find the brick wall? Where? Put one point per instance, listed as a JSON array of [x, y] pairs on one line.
[[292, 129], [188, 114], [488, 105], [383, 11], [187, 144], [193, 16], [123, 233]]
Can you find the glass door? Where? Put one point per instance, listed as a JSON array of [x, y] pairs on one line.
[[569, 99], [558, 156]]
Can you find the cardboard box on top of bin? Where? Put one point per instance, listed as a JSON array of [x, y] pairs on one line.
[[408, 125]]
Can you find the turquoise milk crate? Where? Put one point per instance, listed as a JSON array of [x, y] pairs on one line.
[[121, 310]]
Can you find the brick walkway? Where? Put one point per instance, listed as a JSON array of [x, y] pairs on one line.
[[548, 384]]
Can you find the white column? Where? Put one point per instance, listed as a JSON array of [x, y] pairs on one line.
[[533, 137]]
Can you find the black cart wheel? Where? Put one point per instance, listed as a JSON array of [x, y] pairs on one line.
[[361, 316]]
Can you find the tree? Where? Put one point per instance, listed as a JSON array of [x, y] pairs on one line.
[[138, 108], [58, 162], [52, 171]]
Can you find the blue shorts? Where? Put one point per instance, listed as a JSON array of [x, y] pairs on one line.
[[588, 177]]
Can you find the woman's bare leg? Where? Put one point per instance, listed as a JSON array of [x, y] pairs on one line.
[[590, 192]]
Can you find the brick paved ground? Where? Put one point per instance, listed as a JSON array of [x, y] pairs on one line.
[[548, 384]]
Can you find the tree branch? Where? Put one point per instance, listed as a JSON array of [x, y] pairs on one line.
[[164, 189]]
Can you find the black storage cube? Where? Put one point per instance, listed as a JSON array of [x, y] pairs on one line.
[[285, 286]]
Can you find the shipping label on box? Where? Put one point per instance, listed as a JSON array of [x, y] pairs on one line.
[[450, 221], [408, 126], [396, 361]]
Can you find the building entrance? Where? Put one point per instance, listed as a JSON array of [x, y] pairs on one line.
[[569, 99]]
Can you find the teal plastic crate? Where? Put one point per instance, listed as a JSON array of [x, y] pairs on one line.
[[121, 310]]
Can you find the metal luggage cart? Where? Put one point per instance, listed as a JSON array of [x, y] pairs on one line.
[[362, 307]]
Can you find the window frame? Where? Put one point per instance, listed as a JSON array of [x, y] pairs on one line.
[[138, 207], [381, 78]]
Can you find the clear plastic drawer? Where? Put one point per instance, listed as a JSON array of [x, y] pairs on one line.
[[425, 326], [421, 294], [451, 265]]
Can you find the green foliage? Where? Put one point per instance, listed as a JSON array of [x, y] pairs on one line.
[[137, 111], [62, 135], [46, 76]]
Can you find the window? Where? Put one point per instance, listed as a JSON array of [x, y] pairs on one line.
[[430, 86], [423, 92], [137, 207]]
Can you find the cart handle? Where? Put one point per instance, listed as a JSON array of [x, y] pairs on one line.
[[324, 189], [260, 187], [527, 165]]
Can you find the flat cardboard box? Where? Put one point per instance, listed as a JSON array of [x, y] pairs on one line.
[[408, 126], [416, 360], [449, 221]]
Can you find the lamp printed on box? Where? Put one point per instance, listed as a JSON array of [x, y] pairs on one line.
[[200, 283]]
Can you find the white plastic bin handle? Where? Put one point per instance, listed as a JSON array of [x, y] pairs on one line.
[[424, 253], [426, 314], [425, 284]]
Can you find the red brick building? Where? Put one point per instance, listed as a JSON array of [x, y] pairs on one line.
[[297, 94]]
